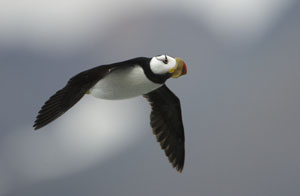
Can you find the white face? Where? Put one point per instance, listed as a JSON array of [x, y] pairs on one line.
[[162, 64]]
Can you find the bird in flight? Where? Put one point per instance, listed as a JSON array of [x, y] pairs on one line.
[[122, 80]]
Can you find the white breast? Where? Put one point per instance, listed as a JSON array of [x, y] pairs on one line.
[[123, 84]]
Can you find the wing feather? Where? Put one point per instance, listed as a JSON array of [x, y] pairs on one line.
[[166, 123], [67, 97]]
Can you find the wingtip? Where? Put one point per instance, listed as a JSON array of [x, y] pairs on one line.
[[35, 127], [179, 168]]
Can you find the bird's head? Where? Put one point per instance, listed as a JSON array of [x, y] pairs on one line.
[[163, 64]]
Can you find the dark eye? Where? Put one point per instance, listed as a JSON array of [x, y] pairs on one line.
[[165, 61]]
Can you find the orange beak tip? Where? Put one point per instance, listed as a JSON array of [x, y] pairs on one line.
[[184, 68]]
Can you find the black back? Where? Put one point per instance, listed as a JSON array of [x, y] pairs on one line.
[[144, 62]]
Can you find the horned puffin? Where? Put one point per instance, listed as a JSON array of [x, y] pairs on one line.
[[138, 76]]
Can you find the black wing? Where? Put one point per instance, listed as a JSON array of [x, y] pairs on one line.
[[166, 123], [65, 98]]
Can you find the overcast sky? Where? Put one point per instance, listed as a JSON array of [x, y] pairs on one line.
[[239, 100]]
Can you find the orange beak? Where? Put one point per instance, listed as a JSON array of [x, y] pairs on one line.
[[184, 69]]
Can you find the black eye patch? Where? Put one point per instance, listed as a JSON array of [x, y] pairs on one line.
[[165, 61]]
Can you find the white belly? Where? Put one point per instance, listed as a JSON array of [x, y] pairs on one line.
[[123, 84]]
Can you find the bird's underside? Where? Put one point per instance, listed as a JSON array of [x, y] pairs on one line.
[[165, 118]]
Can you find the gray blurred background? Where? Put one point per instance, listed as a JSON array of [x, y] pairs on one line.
[[240, 99]]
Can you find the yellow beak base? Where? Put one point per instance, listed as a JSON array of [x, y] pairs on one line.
[[180, 68]]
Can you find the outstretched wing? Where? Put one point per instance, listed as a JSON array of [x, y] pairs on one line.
[[166, 123], [65, 98]]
